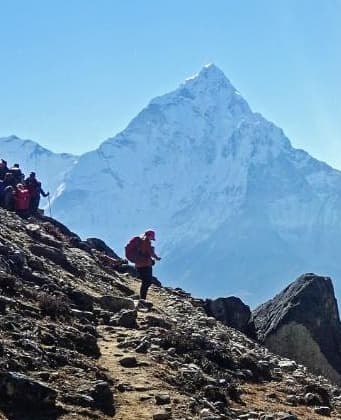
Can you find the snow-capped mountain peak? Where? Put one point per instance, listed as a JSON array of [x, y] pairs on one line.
[[233, 202], [211, 76], [209, 91]]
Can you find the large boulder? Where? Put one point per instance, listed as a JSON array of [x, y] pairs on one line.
[[23, 390], [302, 323], [233, 312], [55, 255], [101, 246]]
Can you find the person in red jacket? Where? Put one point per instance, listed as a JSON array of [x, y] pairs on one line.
[[144, 265], [22, 200]]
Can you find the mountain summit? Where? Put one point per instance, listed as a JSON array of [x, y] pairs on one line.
[[237, 209]]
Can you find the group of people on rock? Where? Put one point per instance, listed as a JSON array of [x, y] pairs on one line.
[[18, 193]]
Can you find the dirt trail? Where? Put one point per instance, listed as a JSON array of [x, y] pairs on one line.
[[139, 385]]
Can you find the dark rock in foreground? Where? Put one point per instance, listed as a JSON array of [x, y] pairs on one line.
[[22, 390], [233, 312], [302, 323]]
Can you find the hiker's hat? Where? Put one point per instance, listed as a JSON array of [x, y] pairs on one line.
[[150, 234]]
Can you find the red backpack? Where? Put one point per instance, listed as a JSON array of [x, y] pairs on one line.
[[133, 249]]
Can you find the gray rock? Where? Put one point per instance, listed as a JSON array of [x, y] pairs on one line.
[[83, 300], [23, 390], [83, 315], [162, 399], [287, 365], [171, 351], [4, 302], [144, 305], [312, 399], [233, 312], [82, 400], [158, 321], [125, 318], [143, 346], [128, 362], [55, 255], [285, 416], [320, 391], [103, 397], [101, 246], [260, 369], [162, 416], [292, 399], [116, 303], [323, 411], [303, 324]]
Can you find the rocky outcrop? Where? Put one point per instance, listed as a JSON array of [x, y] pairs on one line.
[[101, 246], [233, 312], [302, 323], [19, 388]]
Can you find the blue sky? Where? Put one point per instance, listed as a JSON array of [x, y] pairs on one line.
[[75, 72]]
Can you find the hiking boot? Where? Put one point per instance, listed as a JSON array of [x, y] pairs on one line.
[[144, 305]]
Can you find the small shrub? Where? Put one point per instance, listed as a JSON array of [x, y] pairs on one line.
[[54, 306]]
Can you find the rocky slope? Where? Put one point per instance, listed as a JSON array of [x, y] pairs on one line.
[[74, 344]]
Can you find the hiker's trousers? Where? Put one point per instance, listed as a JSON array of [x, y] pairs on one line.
[[146, 276]]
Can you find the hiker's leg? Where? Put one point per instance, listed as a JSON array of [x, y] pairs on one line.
[[34, 205], [144, 289], [141, 274], [145, 275], [156, 282]]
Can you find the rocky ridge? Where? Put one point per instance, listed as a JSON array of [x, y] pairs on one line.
[[75, 343]]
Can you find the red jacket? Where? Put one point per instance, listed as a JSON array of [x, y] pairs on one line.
[[22, 199], [147, 254]]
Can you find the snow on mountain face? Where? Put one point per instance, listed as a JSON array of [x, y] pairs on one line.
[[51, 168], [236, 208]]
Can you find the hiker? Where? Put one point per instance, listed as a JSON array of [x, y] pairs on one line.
[[17, 174], [35, 189], [7, 182], [8, 198], [3, 169], [2, 192], [144, 259], [22, 200]]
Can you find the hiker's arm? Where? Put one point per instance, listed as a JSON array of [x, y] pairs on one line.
[[154, 254], [43, 193]]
